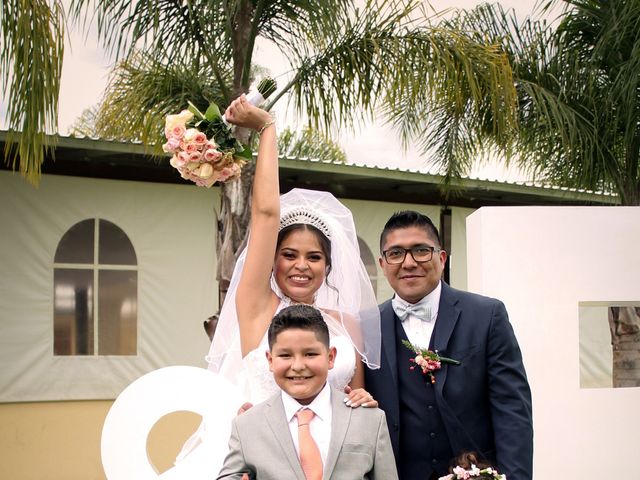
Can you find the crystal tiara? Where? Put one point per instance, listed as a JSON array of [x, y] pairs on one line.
[[304, 216]]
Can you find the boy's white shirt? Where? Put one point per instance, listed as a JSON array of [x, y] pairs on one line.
[[320, 425]]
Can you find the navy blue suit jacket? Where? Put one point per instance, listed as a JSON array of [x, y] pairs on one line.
[[485, 402]]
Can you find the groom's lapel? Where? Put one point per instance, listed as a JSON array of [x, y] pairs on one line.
[[448, 314], [276, 418], [388, 332], [340, 418]]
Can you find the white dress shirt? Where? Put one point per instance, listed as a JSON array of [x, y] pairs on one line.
[[320, 425], [419, 331]]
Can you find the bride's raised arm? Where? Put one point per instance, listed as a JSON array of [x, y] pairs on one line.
[[255, 301]]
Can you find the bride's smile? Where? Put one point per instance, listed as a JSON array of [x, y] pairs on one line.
[[300, 266]]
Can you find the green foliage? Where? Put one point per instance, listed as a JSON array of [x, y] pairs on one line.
[[387, 59], [85, 124], [310, 143], [214, 127], [578, 85], [31, 50]]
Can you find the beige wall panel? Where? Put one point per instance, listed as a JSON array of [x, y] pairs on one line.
[[172, 230], [458, 257], [61, 440]]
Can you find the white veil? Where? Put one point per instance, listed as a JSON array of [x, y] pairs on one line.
[[346, 294]]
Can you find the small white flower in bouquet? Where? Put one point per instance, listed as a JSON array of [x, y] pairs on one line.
[[203, 146]]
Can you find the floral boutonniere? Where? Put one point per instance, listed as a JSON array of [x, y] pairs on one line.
[[428, 360]]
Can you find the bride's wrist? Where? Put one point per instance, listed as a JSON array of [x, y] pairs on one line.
[[267, 124]]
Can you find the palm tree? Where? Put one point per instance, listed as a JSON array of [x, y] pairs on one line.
[[31, 50], [578, 83], [387, 58], [345, 63]]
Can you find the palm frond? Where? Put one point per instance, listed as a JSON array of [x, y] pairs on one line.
[[152, 88], [310, 144], [31, 51], [578, 91], [164, 28]]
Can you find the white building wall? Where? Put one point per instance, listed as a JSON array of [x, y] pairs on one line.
[[546, 263]]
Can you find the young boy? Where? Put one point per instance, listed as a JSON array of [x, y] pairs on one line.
[[274, 439]]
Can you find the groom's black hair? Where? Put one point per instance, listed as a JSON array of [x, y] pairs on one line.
[[406, 219], [302, 317]]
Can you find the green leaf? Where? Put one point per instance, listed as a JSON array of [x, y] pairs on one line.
[[213, 112], [244, 152], [193, 109]]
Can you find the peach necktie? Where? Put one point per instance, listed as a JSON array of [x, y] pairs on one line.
[[310, 458]]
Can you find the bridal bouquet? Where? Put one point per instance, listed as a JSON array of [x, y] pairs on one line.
[[203, 146]]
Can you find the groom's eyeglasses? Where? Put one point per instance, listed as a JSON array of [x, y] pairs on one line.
[[419, 253]]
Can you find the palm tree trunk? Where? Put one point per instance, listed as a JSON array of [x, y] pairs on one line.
[[233, 226], [624, 324]]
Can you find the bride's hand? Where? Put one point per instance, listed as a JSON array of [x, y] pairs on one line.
[[357, 397], [241, 113]]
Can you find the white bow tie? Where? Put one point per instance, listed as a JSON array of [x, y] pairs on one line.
[[419, 310]]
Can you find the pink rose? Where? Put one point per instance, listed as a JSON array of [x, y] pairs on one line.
[[190, 134], [212, 155], [230, 172], [200, 138], [180, 119], [175, 162], [461, 473], [184, 158], [211, 144], [177, 132], [171, 146], [225, 174], [190, 147], [195, 157]]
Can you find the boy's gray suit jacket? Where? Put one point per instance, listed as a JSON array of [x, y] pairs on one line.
[[261, 444]]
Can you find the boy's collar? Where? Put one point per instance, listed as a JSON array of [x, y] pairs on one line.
[[321, 405]]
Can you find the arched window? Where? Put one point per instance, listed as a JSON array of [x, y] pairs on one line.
[[95, 285], [369, 263]]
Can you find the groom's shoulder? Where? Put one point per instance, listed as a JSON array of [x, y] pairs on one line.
[[384, 306], [465, 296]]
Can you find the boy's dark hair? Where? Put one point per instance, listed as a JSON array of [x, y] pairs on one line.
[[406, 219], [303, 317]]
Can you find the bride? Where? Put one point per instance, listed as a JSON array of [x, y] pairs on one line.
[[302, 248]]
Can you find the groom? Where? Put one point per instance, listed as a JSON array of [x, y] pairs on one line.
[[483, 404]]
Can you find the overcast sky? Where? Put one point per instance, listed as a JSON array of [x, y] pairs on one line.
[[86, 69]]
